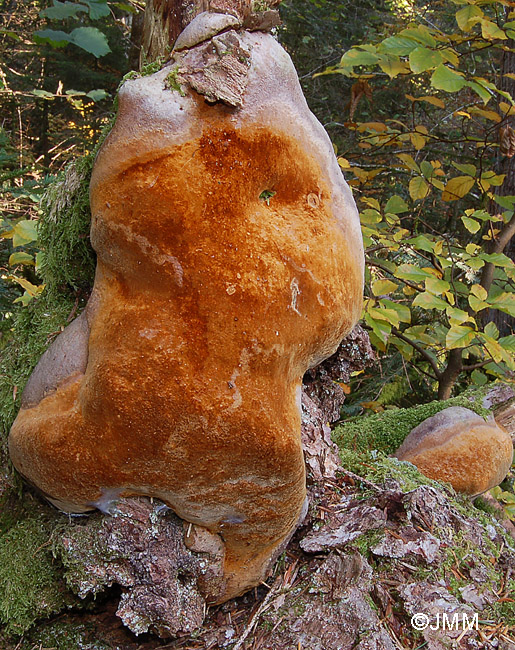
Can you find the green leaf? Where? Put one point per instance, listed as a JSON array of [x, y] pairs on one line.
[[396, 205], [494, 179], [124, 7], [358, 57], [505, 302], [52, 37], [443, 78], [477, 304], [10, 34], [427, 169], [471, 224], [458, 316], [412, 273], [418, 188], [422, 59], [484, 93], [459, 337], [507, 202], [497, 259], [20, 258], [403, 312], [24, 232], [97, 94], [421, 34], [380, 328], [91, 40], [457, 187], [437, 286], [43, 93], [479, 378], [468, 17], [63, 10], [468, 169], [97, 9], [427, 300], [422, 243], [370, 216], [388, 315], [492, 331], [383, 287], [398, 45], [508, 342]]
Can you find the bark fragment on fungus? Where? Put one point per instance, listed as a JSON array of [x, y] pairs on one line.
[[209, 305]]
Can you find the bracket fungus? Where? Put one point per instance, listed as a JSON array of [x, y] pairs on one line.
[[182, 378], [458, 446]]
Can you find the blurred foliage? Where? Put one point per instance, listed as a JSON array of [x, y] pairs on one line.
[[436, 205], [55, 98]]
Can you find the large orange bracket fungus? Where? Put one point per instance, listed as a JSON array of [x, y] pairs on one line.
[[230, 261]]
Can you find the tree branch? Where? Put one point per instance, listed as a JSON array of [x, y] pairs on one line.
[[421, 351]]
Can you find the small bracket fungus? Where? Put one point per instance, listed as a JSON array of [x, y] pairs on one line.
[[182, 379], [456, 445]]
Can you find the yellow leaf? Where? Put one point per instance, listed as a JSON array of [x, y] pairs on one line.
[[393, 66], [468, 17], [457, 187], [344, 163], [417, 140], [489, 115], [383, 287], [479, 291], [408, 161], [418, 188], [490, 31], [459, 337], [372, 126], [507, 109], [430, 99]]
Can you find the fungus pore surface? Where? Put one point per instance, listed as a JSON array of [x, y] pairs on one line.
[[182, 378]]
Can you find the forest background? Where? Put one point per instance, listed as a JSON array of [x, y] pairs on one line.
[[418, 100]]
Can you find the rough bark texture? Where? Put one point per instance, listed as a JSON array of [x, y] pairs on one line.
[[361, 566], [506, 323], [165, 19]]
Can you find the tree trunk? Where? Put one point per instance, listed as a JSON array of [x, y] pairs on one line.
[[165, 20], [504, 322]]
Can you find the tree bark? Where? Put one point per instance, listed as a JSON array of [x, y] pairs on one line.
[[165, 19], [505, 323]]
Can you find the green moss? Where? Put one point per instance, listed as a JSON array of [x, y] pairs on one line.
[[387, 430], [146, 70], [172, 82], [368, 540], [505, 611], [377, 467], [31, 586]]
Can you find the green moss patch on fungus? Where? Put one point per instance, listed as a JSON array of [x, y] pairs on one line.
[[31, 584], [387, 430]]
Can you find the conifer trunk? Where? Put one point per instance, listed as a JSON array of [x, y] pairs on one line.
[[165, 19]]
